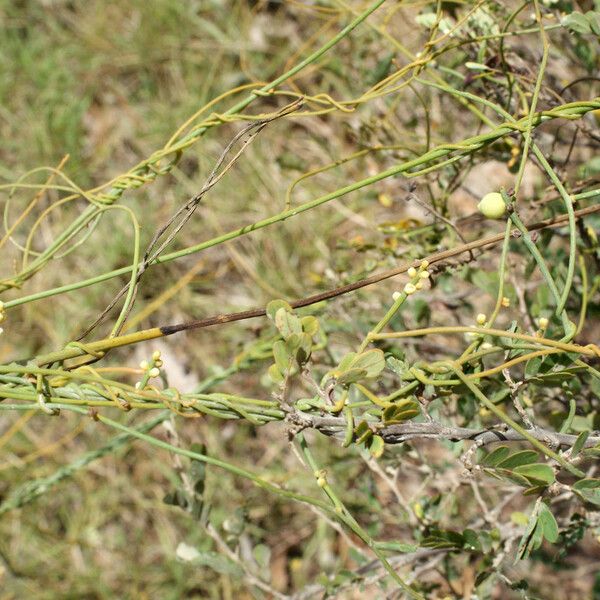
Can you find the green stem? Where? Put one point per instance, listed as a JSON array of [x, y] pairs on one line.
[[116, 192], [568, 327], [468, 146], [513, 424], [344, 515]]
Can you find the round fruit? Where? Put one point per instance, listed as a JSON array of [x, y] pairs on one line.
[[492, 206]]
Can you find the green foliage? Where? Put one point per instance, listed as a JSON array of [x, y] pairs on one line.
[[518, 467], [588, 490], [541, 525], [356, 367]]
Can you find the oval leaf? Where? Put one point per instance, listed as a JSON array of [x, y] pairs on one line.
[[588, 490], [548, 524], [518, 459], [495, 457], [537, 472]]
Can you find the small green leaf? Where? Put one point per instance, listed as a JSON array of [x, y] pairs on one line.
[[533, 366], [281, 356], [576, 22], [588, 490], [471, 540], [518, 459], [274, 306], [287, 323], [579, 443], [496, 456], [536, 472], [372, 361], [351, 376], [361, 428], [310, 325], [376, 446], [439, 538], [398, 366], [593, 18], [275, 374], [346, 362], [535, 490], [532, 537], [403, 411], [548, 524], [354, 367], [593, 452], [510, 476], [388, 413], [365, 438]]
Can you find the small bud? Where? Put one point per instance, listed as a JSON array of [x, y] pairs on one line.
[[481, 319], [154, 372], [144, 365], [321, 482], [156, 355], [138, 385], [505, 302], [158, 363], [409, 289], [419, 285], [543, 323], [424, 264], [396, 296], [424, 274], [486, 346], [412, 272]]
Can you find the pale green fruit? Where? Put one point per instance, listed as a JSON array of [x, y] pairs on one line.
[[492, 206]]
